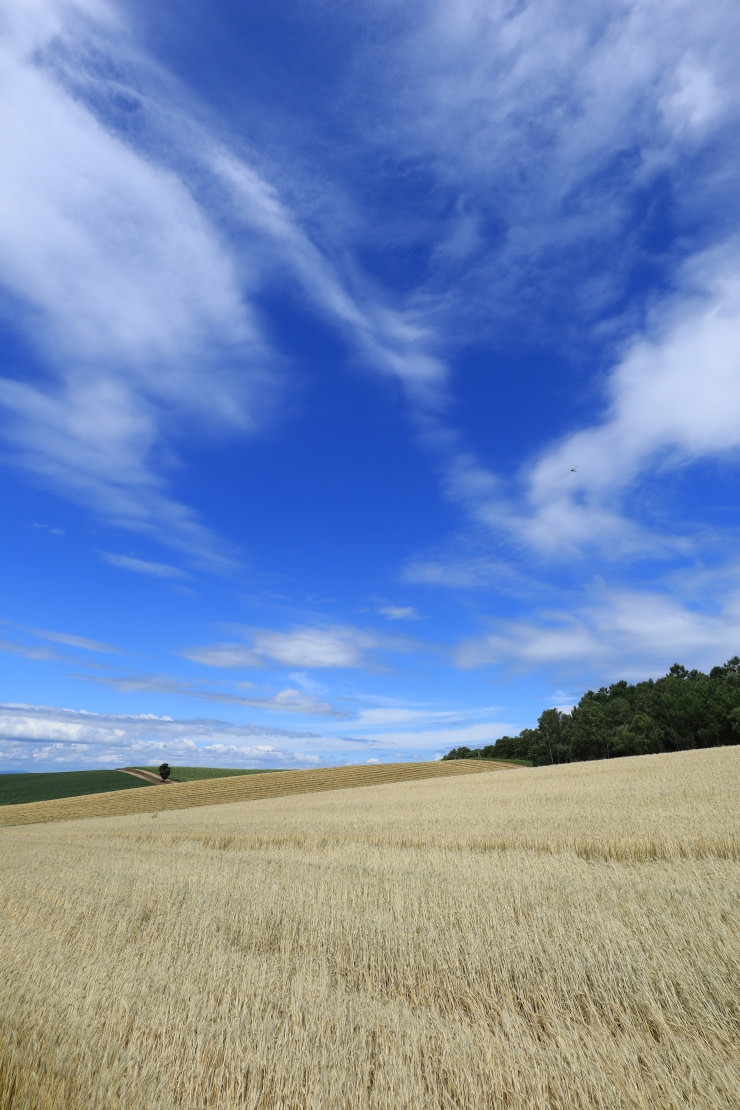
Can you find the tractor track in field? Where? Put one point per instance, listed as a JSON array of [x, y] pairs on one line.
[[147, 776]]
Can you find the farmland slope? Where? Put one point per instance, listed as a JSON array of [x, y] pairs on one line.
[[195, 774], [564, 938], [241, 788], [41, 786]]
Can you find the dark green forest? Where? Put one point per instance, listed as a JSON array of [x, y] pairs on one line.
[[684, 709]]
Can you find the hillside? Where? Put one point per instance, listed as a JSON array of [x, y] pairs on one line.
[[195, 774], [237, 788], [40, 786], [558, 939]]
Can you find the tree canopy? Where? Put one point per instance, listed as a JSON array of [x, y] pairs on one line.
[[684, 709]]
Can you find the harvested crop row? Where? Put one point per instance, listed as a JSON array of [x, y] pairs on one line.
[[238, 789]]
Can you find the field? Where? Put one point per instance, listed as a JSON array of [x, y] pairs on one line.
[[237, 788], [563, 938], [195, 774], [39, 786]]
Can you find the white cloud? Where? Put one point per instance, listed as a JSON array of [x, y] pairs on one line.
[[531, 644], [393, 341], [675, 398], [75, 641], [91, 438], [307, 683], [149, 277], [620, 633], [549, 121], [420, 727], [144, 566], [128, 291], [314, 647], [465, 572], [307, 647], [695, 100], [399, 612], [393, 715], [31, 25], [39, 654], [469, 735], [297, 701], [288, 700], [514, 112], [672, 399], [67, 638], [231, 656], [49, 529], [41, 734], [546, 119], [120, 280]]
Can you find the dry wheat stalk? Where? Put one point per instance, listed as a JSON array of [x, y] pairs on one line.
[[564, 938]]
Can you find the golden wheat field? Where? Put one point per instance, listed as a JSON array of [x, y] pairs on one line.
[[565, 937], [250, 788]]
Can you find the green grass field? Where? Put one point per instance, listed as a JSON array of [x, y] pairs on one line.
[[40, 786], [193, 774]]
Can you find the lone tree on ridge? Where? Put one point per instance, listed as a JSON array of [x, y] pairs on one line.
[[164, 772]]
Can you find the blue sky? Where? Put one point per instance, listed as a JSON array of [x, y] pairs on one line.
[[370, 373]]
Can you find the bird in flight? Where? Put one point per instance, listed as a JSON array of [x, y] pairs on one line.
[[573, 470]]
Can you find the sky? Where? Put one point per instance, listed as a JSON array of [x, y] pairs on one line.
[[369, 372]]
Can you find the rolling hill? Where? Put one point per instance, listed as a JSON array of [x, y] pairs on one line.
[[237, 788], [40, 786]]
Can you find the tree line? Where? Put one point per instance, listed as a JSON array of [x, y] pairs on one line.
[[684, 709]]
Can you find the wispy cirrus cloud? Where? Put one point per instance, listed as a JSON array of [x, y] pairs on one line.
[[552, 176], [67, 638], [389, 715], [620, 95], [389, 339], [674, 398], [27, 651], [620, 633], [288, 700], [129, 276], [486, 732], [144, 566], [462, 565], [399, 612], [660, 415], [228, 656], [315, 647], [304, 646], [129, 272], [544, 127], [48, 528], [541, 126]]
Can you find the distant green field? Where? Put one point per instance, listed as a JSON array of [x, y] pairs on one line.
[[41, 786], [192, 774]]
